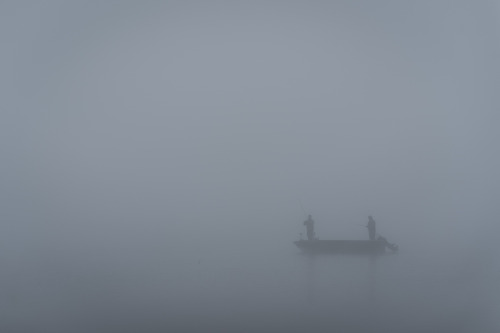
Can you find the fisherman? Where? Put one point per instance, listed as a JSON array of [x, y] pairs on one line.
[[309, 223], [371, 228]]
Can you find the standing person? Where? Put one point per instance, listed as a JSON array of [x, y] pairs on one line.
[[309, 223], [371, 227]]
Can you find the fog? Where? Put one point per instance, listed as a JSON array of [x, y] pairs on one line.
[[159, 159]]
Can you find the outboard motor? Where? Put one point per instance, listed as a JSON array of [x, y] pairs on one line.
[[393, 247]]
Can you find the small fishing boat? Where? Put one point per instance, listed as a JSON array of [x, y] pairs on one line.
[[372, 246], [343, 246]]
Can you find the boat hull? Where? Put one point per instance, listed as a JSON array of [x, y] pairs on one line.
[[341, 246]]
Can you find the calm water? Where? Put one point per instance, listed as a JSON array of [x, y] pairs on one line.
[[253, 288]]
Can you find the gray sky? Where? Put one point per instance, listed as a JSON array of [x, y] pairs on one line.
[[146, 127]]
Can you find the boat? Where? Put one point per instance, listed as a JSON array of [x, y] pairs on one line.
[[374, 245], [342, 246]]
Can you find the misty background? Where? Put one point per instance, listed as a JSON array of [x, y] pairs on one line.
[[159, 158]]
